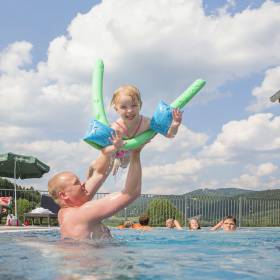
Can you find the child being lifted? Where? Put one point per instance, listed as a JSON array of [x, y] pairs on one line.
[[127, 103]]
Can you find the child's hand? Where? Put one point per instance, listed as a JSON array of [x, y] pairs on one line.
[[117, 140], [177, 117]]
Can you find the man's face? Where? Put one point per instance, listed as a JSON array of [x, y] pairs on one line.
[[74, 190], [229, 225]]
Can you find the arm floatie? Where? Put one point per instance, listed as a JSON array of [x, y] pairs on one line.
[[162, 118], [99, 135]]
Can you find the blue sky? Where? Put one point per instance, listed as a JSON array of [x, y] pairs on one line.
[[230, 135]]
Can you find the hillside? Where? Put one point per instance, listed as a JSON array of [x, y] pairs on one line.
[[224, 192]]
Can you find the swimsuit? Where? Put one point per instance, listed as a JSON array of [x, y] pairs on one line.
[[122, 153]]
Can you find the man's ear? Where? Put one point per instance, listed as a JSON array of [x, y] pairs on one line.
[[62, 195]]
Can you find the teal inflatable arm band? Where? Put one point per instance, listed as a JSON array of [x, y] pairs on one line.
[[99, 133], [162, 118]]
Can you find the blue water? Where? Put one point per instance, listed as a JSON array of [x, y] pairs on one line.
[[160, 254]]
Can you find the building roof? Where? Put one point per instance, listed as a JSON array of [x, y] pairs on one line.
[[275, 97]]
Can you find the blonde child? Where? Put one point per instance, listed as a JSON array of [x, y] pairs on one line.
[[127, 103]]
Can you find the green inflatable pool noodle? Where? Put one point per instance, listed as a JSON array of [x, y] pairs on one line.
[[97, 97]]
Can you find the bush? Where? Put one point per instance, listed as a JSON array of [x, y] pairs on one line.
[[159, 210], [23, 206]]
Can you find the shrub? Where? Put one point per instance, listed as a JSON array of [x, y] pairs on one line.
[[159, 210]]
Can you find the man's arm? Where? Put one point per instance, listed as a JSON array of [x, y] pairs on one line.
[[101, 167], [97, 210]]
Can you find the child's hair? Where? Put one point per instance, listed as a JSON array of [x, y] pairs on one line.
[[144, 220], [128, 224], [230, 218], [129, 90]]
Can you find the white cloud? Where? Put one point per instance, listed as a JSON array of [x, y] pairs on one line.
[[161, 46], [177, 177], [15, 56], [269, 86], [263, 169], [246, 138], [245, 181], [185, 140]]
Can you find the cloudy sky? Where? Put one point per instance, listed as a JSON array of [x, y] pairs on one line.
[[230, 136]]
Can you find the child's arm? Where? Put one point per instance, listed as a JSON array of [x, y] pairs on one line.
[[177, 119], [177, 225], [218, 225]]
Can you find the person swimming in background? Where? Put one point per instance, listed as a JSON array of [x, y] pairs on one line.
[[80, 217], [227, 224], [194, 224], [143, 223], [173, 223], [126, 224], [127, 103]]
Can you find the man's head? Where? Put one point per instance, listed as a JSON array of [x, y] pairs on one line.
[[67, 190], [144, 220], [229, 223]]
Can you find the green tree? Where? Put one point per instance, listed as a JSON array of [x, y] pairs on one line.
[[159, 210], [23, 206]]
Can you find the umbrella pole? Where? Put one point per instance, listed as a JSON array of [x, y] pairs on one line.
[[15, 186]]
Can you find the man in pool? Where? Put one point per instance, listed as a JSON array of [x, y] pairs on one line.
[[79, 216]]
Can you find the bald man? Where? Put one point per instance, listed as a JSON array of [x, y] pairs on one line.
[[80, 217]]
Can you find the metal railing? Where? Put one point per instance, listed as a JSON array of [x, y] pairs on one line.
[[209, 209]]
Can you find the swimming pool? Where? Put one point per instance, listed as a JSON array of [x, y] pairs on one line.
[[159, 254]]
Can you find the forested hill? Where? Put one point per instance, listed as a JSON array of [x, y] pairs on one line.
[[233, 192]]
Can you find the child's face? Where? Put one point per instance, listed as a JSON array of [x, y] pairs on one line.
[[229, 225], [169, 223], [127, 107], [194, 224]]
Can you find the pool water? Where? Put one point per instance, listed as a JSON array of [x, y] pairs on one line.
[[159, 254]]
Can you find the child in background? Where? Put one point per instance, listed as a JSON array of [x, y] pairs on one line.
[[227, 224], [194, 224], [127, 103], [172, 223]]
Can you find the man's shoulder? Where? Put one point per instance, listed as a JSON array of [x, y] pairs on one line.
[[67, 212]]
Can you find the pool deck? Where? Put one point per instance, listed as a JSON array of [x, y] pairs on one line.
[[27, 228]]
